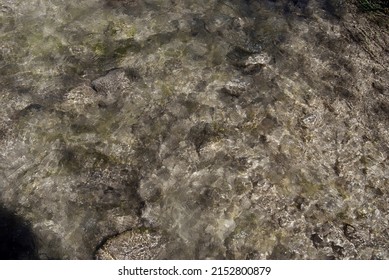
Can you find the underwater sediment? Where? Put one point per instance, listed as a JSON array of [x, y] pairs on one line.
[[206, 129]]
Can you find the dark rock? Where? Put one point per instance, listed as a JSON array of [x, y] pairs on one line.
[[200, 134], [317, 240], [280, 252]]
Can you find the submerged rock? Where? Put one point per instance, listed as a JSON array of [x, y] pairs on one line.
[[139, 244], [228, 129]]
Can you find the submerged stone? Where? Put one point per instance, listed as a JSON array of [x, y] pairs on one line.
[[196, 130], [137, 244]]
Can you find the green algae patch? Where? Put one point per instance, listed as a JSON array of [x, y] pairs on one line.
[[120, 30], [167, 90], [310, 189]]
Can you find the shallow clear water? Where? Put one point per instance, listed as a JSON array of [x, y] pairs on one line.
[[210, 122]]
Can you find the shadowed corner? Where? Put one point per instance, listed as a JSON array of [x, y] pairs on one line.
[[17, 242]]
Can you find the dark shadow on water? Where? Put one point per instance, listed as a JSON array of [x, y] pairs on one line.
[[17, 242]]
